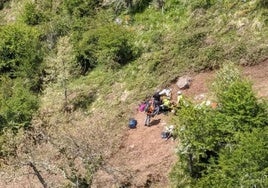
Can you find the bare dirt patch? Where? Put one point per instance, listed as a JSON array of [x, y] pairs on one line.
[[258, 74], [144, 157]]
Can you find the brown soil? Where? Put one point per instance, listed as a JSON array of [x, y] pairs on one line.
[[144, 158]]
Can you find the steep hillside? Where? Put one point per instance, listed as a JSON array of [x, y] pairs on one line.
[[73, 72], [145, 159]]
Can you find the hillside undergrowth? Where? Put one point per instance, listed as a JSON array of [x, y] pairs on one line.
[[100, 59]]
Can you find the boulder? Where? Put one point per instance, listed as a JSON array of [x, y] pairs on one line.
[[184, 82]]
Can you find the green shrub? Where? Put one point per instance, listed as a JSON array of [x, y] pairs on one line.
[[240, 165], [17, 103], [201, 4], [198, 138], [20, 52], [102, 47], [241, 107], [32, 15], [237, 101], [262, 3], [227, 75], [207, 134], [81, 8]]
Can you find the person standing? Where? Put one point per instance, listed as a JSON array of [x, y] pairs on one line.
[[179, 99], [151, 109]]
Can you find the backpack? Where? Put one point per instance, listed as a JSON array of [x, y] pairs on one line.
[[149, 108], [142, 107], [164, 134], [132, 123]]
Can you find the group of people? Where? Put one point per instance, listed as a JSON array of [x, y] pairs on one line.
[[158, 103], [162, 101]]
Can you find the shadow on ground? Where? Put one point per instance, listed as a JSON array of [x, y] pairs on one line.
[[155, 122]]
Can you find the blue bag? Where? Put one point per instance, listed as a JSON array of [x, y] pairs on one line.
[[132, 123]]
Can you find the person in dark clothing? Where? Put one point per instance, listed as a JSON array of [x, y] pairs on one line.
[[157, 96], [151, 109]]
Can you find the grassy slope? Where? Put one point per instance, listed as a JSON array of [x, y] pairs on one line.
[[179, 40], [174, 43]]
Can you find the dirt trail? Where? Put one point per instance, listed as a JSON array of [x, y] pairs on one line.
[[259, 76], [144, 158]]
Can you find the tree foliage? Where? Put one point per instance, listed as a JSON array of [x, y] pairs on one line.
[[17, 103], [32, 15], [240, 165], [198, 34], [21, 53], [20, 68], [81, 8], [218, 145], [100, 46]]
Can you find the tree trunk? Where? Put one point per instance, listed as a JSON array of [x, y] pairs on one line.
[[39, 176]]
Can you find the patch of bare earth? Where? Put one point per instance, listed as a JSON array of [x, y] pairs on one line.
[[144, 158], [258, 74]]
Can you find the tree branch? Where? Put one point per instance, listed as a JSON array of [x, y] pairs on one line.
[[39, 176]]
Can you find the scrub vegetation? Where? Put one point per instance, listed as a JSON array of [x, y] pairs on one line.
[[72, 71]]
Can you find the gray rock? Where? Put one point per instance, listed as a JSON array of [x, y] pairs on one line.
[[184, 82]]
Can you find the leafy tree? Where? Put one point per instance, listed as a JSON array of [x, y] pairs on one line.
[[237, 100], [241, 165], [240, 106], [214, 140], [101, 46], [17, 103], [21, 53]]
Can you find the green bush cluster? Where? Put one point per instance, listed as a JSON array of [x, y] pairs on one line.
[[201, 4], [20, 69], [17, 103], [218, 145], [100, 46], [81, 8], [32, 15], [21, 53]]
